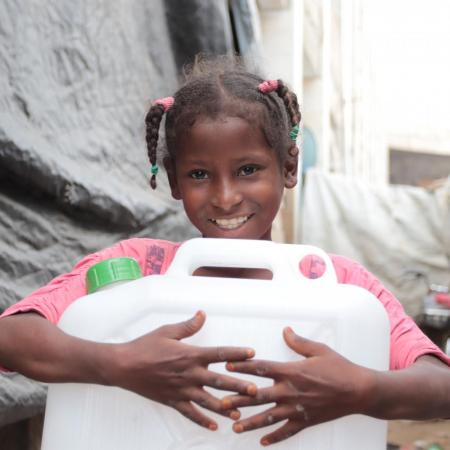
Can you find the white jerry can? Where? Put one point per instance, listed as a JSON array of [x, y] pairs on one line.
[[240, 312]]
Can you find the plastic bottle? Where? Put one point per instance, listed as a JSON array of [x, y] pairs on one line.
[[240, 312]]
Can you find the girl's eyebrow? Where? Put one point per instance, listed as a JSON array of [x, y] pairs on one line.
[[248, 157], [197, 162]]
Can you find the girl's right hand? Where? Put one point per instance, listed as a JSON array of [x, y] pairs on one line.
[[162, 368]]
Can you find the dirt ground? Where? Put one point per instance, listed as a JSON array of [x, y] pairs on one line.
[[402, 435], [410, 435]]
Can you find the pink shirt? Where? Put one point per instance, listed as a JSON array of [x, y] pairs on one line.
[[154, 256]]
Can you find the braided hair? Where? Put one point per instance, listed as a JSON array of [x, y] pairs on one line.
[[215, 89], [152, 121]]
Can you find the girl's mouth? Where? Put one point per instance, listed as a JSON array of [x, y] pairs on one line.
[[231, 224]]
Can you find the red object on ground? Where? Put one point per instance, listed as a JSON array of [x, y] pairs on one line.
[[443, 299]]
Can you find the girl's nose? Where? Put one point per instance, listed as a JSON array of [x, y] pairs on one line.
[[226, 196]]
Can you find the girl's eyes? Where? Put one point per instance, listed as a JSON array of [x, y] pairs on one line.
[[247, 170], [242, 172], [198, 174]]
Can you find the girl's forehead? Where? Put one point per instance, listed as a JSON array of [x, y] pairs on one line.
[[222, 136], [223, 128]]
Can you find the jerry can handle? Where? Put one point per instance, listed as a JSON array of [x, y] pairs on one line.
[[283, 260]]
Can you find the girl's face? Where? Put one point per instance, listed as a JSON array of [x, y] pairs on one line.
[[229, 179]]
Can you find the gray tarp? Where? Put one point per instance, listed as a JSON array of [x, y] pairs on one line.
[[27, 396], [76, 79], [394, 231], [75, 83]]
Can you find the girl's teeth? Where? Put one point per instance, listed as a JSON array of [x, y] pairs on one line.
[[231, 223]]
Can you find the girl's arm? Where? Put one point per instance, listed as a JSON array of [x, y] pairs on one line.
[[325, 386], [157, 365], [419, 392], [33, 346]]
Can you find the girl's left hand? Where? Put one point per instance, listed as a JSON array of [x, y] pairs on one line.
[[319, 388]]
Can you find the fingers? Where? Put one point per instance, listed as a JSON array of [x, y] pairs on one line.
[[296, 417], [223, 354], [264, 419], [263, 396], [290, 428], [184, 329], [258, 367], [304, 346], [227, 383], [208, 401], [193, 414]]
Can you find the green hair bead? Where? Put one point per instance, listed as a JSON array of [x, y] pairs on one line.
[[294, 132], [154, 169]]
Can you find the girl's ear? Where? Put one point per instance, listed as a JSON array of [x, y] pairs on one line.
[[291, 167], [169, 165]]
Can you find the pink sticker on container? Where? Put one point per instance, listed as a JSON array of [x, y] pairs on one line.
[[312, 266]]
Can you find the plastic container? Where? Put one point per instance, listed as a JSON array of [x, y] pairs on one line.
[[239, 312]]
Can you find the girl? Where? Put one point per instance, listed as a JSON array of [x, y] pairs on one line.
[[230, 153]]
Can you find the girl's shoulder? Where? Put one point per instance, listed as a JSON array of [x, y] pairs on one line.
[[153, 255], [352, 272], [349, 271]]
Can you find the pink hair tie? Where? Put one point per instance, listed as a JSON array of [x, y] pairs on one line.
[[268, 86], [165, 102]]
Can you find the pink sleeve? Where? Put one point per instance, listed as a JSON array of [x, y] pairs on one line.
[[51, 300], [408, 342]]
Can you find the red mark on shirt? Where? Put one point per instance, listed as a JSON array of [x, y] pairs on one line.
[[154, 259]]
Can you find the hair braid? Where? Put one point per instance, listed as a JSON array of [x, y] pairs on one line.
[[152, 122], [290, 102]]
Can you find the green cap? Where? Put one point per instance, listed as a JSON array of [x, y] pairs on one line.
[[110, 271]]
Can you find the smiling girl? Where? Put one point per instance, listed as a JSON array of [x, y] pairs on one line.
[[231, 152]]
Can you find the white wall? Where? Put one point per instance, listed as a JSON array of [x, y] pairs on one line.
[[412, 56], [282, 40]]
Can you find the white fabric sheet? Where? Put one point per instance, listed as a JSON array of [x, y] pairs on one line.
[[394, 231]]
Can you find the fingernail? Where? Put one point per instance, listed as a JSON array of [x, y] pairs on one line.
[[212, 426], [226, 403], [250, 352], [235, 415], [265, 441], [252, 390], [289, 329], [230, 367], [238, 428]]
